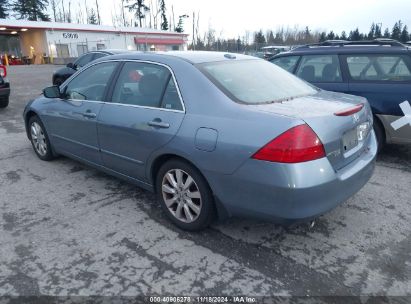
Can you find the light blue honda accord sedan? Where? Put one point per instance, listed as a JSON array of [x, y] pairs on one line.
[[213, 134]]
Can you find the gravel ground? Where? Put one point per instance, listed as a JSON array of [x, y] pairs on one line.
[[66, 229]]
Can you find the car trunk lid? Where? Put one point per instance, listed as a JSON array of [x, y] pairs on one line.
[[342, 126]]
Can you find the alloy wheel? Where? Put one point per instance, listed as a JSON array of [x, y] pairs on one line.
[[38, 139], [181, 195]]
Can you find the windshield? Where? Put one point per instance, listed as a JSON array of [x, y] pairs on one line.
[[255, 81]]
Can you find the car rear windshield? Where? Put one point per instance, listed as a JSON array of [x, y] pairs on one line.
[[255, 81]]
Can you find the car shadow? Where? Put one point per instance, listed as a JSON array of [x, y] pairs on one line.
[[396, 155]]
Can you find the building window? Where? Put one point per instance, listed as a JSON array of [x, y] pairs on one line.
[[175, 48], [62, 50], [81, 49], [101, 46]]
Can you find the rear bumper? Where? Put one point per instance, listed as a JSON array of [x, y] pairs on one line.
[[288, 193]]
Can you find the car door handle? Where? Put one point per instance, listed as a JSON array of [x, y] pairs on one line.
[[157, 123], [89, 115]]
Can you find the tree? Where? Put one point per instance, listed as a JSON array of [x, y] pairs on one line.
[[164, 21], [4, 8], [331, 36], [371, 34], [259, 38], [180, 26], [396, 30], [355, 35], [343, 36], [323, 37], [377, 32], [92, 19], [32, 10], [404, 34], [387, 33], [139, 9], [270, 37]]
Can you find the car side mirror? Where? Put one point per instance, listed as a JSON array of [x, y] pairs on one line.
[[71, 65], [52, 92]]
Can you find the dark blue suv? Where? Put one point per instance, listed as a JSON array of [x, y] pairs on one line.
[[379, 70]]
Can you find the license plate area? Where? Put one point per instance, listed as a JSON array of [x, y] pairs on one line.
[[350, 140]]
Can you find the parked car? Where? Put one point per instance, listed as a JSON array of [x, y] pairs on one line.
[[378, 70], [4, 87], [62, 74], [190, 130]]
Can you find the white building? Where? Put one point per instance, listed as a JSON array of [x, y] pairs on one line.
[[63, 41]]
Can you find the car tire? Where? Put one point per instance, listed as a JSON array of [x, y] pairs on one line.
[[379, 134], [4, 102], [39, 139], [58, 81], [185, 195]]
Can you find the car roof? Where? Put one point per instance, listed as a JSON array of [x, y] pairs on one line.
[[194, 57], [386, 46]]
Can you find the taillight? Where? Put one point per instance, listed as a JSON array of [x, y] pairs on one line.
[[3, 71], [350, 111], [296, 145]]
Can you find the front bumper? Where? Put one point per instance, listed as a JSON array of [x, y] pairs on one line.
[[288, 193]]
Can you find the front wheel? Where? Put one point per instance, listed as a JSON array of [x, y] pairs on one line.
[[185, 195], [39, 139]]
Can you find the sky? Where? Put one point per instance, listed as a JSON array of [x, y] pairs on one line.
[[232, 18]]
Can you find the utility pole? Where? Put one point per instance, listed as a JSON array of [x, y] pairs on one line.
[[174, 20], [194, 31]]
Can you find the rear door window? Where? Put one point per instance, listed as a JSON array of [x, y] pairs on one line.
[[288, 63], [379, 67], [147, 85], [320, 68]]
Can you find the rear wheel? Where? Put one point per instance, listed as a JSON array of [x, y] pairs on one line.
[[379, 133], [4, 102], [185, 195], [39, 139]]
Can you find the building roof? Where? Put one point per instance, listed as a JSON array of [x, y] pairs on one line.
[[25, 24]]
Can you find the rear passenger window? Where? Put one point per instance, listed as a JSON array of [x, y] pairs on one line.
[[320, 68], [288, 63], [379, 68], [148, 85]]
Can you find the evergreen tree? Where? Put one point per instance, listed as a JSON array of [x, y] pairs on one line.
[[355, 35], [139, 9], [371, 34], [377, 32], [92, 19], [32, 10], [307, 35], [259, 38], [404, 34], [396, 30], [164, 21], [331, 36], [387, 33], [343, 36], [180, 25], [4, 7], [323, 37], [270, 37]]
